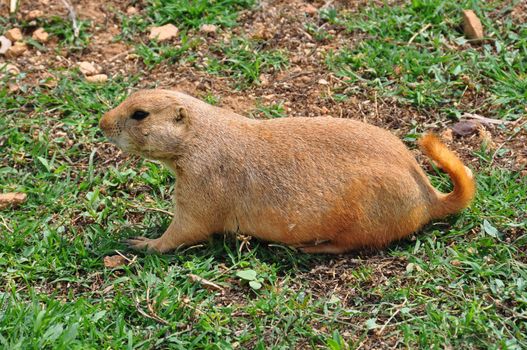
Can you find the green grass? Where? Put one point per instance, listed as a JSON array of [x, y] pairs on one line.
[[244, 60], [155, 53], [62, 28], [460, 283], [192, 14], [275, 110], [418, 54], [240, 58]]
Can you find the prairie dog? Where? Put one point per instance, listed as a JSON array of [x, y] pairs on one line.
[[323, 185]]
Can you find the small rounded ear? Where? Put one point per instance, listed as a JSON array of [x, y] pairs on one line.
[[181, 114]]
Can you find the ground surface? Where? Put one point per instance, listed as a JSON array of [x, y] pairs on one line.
[[405, 66]]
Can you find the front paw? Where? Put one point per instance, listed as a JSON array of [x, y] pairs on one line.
[[143, 243]]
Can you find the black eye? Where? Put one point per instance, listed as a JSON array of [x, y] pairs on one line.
[[139, 115]]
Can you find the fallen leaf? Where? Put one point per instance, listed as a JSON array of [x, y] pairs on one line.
[[248, 275], [114, 261]]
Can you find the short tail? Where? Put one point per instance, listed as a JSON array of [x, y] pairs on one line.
[[464, 184]]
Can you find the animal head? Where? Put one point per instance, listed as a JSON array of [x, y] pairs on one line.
[[150, 123]]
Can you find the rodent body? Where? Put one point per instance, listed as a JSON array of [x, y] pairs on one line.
[[321, 184]]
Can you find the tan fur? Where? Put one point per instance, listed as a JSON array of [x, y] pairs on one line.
[[320, 184]]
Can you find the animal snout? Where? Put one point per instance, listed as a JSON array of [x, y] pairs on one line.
[[106, 124]]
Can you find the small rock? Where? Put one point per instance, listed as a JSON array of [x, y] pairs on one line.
[[87, 68], [114, 261], [14, 34], [40, 35], [97, 78], [455, 262], [263, 80], [465, 127], [132, 10], [35, 14], [11, 198], [9, 68], [208, 28], [163, 33], [323, 82], [310, 9], [5, 44], [16, 50], [472, 25]]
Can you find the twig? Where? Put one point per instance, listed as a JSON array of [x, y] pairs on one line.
[[119, 55], [205, 283], [130, 261], [152, 315], [5, 225], [392, 316], [418, 33], [73, 17], [485, 120], [155, 318]]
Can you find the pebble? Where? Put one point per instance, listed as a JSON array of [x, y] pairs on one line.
[[132, 10], [40, 35], [472, 25], [35, 14], [310, 9], [5, 44], [97, 78], [87, 68], [14, 34], [208, 28], [16, 50], [163, 33]]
